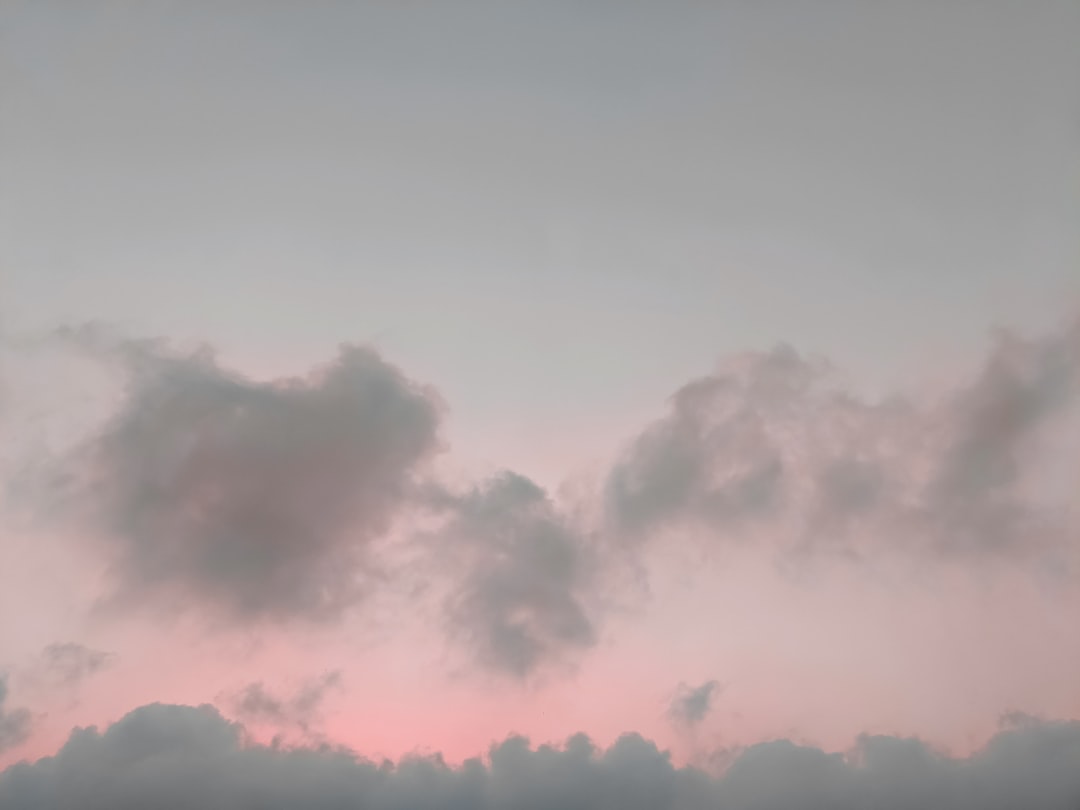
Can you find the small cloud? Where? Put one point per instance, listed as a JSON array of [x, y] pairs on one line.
[[692, 704], [69, 664], [254, 703]]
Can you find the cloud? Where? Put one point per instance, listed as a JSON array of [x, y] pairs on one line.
[[69, 664], [692, 704], [992, 424], [178, 757], [774, 439], [14, 723], [254, 703], [712, 458], [525, 570], [255, 500]]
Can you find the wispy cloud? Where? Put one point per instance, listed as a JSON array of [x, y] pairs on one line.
[[68, 664], [773, 439], [255, 703]]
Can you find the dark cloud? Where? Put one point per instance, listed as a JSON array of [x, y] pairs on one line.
[[69, 664], [256, 704], [692, 704], [525, 572], [253, 499], [774, 439], [183, 758], [14, 723]]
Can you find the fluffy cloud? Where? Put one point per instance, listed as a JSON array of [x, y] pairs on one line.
[[525, 570], [692, 704], [773, 438], [14, 723], [176, 757], [255, 499]]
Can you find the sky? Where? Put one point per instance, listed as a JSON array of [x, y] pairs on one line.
[[517, 404]]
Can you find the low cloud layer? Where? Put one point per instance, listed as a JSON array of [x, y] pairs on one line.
[[693, 703], [181, 758], [253, 499], [773, 438], [525, 573], [14, 723]]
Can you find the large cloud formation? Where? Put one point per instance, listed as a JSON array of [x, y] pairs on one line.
[[253, 498], [772, 438], [185, 758]]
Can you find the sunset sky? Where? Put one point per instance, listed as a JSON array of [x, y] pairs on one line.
[[405, 380]]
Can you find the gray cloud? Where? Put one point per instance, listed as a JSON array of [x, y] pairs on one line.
[[775, 438], [525, 570], [692, 704], [713, 459], [255, 703], [254, 499], [992, 422], [68, 664], [14, 723], [177, 757]]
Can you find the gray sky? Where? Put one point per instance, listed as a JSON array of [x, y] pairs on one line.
[[556, 212]]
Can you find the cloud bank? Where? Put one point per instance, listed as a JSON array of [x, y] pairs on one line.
[[181, 758]]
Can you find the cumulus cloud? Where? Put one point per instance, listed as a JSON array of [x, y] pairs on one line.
[[773, 438], [14, 723], [256, 704], [68, 664], [693, 703], [525, 570], [177, 757], [253, 499]]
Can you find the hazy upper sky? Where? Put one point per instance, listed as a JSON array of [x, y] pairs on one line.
[[670, 399]]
